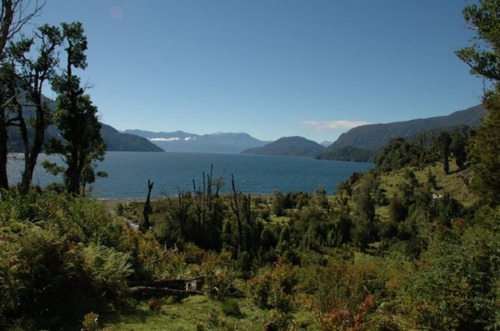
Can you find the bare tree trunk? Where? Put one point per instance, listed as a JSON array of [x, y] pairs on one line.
[[4, 179], [21, 123], [197, 196], [14, 14], [147, 207], [41, 122], [7, 18], [236, 211]]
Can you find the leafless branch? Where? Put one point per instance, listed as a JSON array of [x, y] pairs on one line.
[[14, 15], [26, 10]]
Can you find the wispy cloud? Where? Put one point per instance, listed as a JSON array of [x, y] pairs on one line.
[[165, 139], [172, 139], [333, 125]]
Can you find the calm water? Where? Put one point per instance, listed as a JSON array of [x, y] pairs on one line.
[[128, 173]]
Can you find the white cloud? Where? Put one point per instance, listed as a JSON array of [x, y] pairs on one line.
[[333, 125], [165, 139]]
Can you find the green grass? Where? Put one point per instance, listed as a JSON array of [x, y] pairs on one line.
[[198, 313], [454, 183]]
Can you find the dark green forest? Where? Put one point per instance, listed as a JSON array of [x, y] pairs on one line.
[[412, 244]]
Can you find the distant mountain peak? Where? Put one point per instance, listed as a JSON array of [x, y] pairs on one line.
[[218, 142]]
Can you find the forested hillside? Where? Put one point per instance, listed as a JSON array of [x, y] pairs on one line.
[[363, 142], [118, 141]]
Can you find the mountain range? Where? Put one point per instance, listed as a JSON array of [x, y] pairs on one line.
[[358, 144], [363, 142], [180, 141]]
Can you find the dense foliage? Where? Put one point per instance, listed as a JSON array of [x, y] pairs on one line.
[[62, 257], [76, 117], [483, 57], [27, 65], [427, 148], [371, 257]]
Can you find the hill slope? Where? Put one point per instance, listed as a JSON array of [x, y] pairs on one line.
[[115, 141], [118, 141], [370, 138], [289, 146]]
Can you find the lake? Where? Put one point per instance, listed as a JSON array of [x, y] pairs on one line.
[[128, 173]]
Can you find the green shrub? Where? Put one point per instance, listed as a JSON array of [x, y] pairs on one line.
[[107, 269], [64, 256], [230, 307], [275, 288], [90, 322], [219, 273], [455, 284], [347, 294]]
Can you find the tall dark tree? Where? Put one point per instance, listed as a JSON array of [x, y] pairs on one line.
[[483, 58], [76, 117], [27, 89], [363, 199], [444, 144], [7, 74], [236, 209], [14, 15], [459, 140], [485, 150]]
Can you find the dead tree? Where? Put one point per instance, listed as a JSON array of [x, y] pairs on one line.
[[236, 211], [147, 207]]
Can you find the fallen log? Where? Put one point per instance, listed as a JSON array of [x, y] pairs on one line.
[[192, 284], [161, 291], [179, 287]]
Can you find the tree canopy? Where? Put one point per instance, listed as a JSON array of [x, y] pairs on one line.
[[14, 15], [76, 117], [483, 57]]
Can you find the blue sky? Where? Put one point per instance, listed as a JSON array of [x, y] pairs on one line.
[[271, 68]]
